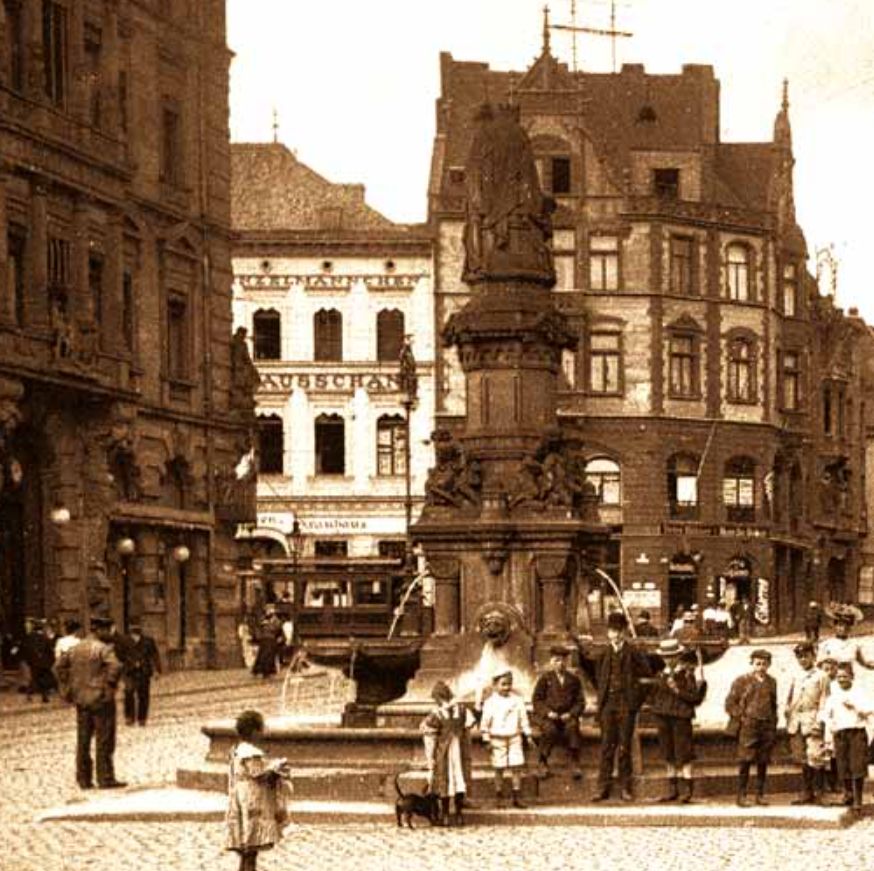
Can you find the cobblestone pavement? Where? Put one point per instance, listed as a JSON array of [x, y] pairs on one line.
[[36, 772]]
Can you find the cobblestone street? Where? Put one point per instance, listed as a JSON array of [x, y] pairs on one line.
[[36, 772]]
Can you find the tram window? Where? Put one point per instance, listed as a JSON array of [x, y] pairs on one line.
[[371, 592], [326, 594]]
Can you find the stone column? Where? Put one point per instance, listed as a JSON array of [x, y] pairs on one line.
[[7, 304], [81, 307], [109, 72], [34, 58], [36, 305], [551, 574], [446, 574]]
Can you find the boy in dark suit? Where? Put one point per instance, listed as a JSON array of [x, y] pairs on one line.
[[621, 672], [752, 705], [558, 703], [140, 661]]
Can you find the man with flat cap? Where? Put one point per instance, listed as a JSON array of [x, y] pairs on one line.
[[807, 695], [140, 662], [621, 674], [88, 675], [558, 703]]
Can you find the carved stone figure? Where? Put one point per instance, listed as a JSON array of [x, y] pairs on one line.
[[508, 222], [453, 481], [121, 455], [408, 379], [494, 625], [62, 332], [244, 376]]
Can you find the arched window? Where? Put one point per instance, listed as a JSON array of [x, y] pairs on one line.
[[271, 447], [737, 264], [330, 445], [266, 334], [391, 445], [741, 371], [739, 490], [327, 335], [389, 335], [684, 365], [683, 486], [604, 475]]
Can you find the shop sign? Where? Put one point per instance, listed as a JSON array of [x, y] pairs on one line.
[[373, 382], [763, 601], [266, 281], [642, 599]]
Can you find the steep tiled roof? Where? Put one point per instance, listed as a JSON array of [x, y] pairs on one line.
[[746, 170], [272, 190]]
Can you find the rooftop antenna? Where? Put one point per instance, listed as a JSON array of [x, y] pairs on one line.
[[275, 125], [574, 29]]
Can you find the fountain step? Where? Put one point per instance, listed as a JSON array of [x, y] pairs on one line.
[[361, 784]]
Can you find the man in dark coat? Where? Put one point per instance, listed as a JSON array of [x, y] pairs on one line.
[[88, 675], [621, 691], [644, 628], [558, 703], [38, 652], [140, 662]]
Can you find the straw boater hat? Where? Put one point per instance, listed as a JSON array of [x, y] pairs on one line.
[[501, 672], [669, 647]]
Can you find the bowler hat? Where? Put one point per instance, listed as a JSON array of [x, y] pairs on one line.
[[669, 647], [101, 622], [617, 620], [558, 650]]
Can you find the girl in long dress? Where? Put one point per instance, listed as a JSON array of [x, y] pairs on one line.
[[256, 794], [446, 732]]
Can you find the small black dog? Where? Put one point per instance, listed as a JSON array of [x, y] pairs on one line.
[[410, 804]]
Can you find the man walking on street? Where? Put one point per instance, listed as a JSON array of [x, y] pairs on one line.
[[88, 675], [140, 663], [620, 694]]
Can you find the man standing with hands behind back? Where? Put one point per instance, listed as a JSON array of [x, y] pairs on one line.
[[88, 675]]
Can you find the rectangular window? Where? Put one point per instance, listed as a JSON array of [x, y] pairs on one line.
[[54, 34], [122, 100], [59, 263], [271, 448], [16, 242], [95, 289], [681, 265], [177, 339], [330, 547], [604, 359], [791, 381], [15, 43], [561, 175], [171, 146], [683, 367], [687, 490], [790, 290], [666, 183], [128, 322], [391, 447], [392, 549], [330, 445], [603, 262]]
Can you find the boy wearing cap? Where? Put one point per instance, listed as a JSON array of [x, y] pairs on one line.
[[558, 704], [807, 695], [505, 727], [752, 704], [621, 672], [676, 694]]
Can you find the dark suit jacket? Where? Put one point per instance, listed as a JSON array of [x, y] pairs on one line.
[[550, 695], [140, 657], [633, 665]]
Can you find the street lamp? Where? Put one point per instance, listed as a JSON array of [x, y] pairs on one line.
[[297, 547], [409, 386]]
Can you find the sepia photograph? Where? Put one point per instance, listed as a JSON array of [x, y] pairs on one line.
[[434, 435]]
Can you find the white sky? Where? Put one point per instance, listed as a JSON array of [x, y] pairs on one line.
[[354, 83]]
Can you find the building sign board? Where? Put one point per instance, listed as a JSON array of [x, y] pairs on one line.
[[283, 381], [328, 281]]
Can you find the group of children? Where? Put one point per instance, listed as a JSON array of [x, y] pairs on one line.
[[826, 716]]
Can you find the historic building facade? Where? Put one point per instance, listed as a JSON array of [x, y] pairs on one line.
[[327, 290], [719, 396], [124, 408]]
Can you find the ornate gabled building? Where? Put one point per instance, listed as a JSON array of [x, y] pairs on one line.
[[328, 288], [717, 395], [124, 409]]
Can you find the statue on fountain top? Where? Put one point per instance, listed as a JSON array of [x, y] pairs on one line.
[[508, 223]]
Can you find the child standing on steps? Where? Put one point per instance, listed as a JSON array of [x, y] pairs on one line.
[[256, 794], [845, 713], [446, 732], [505, 727]]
